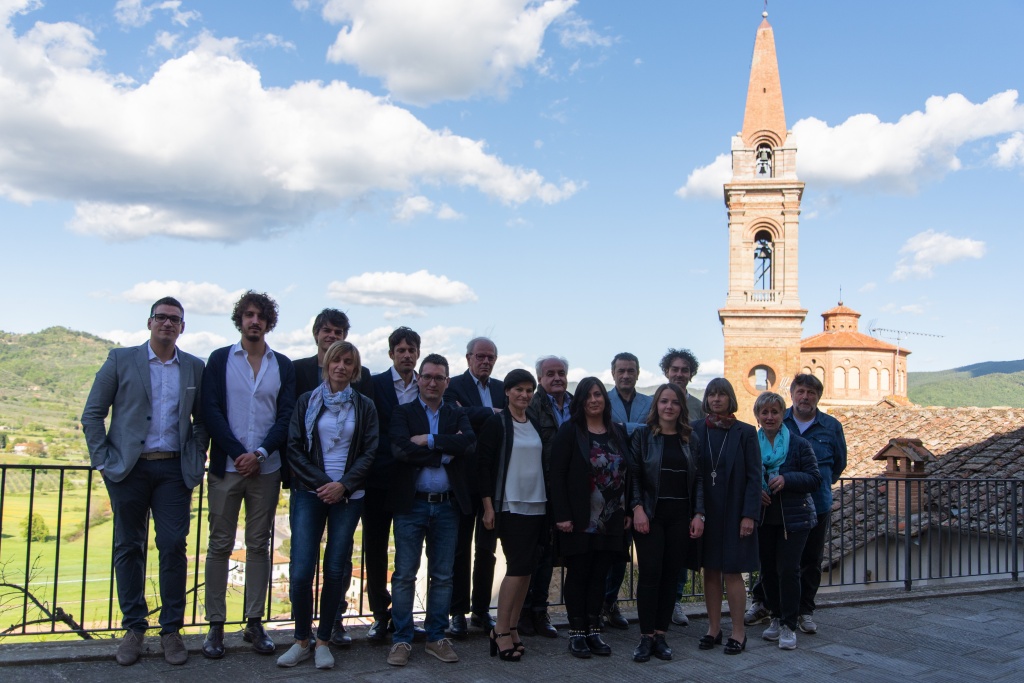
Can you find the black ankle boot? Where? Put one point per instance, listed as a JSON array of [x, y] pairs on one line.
[[578, 639], [594, 641]]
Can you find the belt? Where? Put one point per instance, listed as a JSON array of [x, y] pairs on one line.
[[159, 455], [433, 497]]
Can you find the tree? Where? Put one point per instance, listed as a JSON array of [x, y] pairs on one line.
[[37, 528]]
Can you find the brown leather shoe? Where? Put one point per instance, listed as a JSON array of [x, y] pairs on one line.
[[130, 649], [174, 648]]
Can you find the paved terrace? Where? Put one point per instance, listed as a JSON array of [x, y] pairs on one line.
[[969, 633]]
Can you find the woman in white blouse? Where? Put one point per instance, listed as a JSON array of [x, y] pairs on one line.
[[331, 445]]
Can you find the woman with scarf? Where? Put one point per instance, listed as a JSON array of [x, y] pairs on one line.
[[726, 510], [588, 502], [331, 445], [790, 475]]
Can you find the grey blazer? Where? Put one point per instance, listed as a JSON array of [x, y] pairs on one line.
[[122, 383]]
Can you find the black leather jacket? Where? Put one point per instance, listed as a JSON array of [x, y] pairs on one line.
[[645, 454], [307, 465]]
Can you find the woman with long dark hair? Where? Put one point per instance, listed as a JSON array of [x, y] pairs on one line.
[[513, 488], [727, 510], [331, 445], [664, 481], [588, 500]]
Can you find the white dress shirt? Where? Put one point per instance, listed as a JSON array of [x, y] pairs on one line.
[[405, 393], [165, 387], [252, 403]]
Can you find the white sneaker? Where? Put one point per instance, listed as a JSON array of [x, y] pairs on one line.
[[757, 614], [679, 617], [295, 654], [323, 657], [787, 639], [806, 623], [773, 630]]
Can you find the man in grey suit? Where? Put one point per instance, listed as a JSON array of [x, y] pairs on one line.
[[151, 458]]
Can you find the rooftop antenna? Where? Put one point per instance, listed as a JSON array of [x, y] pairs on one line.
[[900, 336]]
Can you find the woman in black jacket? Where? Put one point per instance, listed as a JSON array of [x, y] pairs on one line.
[[790, 475], [664, 483], [588, 501], [513, 488], [331, 445]]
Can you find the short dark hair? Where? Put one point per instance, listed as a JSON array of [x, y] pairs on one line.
[[627, 356], [435, 359], [519, 376], [339, 349], [167, 301], [262, 301], [720, 385], [806, 380], [331, 316], [579, 399], [404, 334], [672, 354], [682, 422]]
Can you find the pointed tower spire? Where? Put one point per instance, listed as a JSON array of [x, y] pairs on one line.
[[764, 116]]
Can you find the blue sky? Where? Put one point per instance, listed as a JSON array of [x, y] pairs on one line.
[[547, 173]]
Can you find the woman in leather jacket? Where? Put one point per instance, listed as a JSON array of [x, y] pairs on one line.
[[790, 475], [331, 445], [665, 481]]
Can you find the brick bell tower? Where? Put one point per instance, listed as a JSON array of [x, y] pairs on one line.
[[762, 320]]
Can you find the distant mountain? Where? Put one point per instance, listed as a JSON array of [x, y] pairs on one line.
[[993, 383]]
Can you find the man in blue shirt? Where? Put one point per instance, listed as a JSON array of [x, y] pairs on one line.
[[825, 433]]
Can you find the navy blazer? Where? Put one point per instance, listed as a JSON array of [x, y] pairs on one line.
[[223, 443], [308, 376], [462, 388], [385, 401], [411, 419]]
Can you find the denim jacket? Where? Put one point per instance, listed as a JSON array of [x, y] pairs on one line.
[[829, 444]]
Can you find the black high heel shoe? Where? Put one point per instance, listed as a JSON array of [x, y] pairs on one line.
[[734, 647], [509, 655], [520, 648], [708, 641]]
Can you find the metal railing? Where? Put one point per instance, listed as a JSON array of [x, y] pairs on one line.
[[56, 546]]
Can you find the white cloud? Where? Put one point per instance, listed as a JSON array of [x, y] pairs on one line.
[[448, 341], [403, 291], [707, 181], [866, 151], [868, 287], [916, 309], [164, 40], [447, 213], [928, 249], [444, 49], [201, 343], [124, 337], [574, 30], [201, 298], [203, 150], [134, 13], [410, 207], [1010, 152]]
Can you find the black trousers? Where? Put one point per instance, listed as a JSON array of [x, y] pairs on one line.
[[473, 534], [540, 583], [660, 554], [376, 539], [585, 576], [780, 553], [810, 567]]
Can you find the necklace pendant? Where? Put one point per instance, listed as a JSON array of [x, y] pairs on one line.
[[713, 476]]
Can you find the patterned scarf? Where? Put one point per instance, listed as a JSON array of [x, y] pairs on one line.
[[720, 421], [772, 457], [338, 403]]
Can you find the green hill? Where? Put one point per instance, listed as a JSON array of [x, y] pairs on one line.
[[44, 380], [994, 383]]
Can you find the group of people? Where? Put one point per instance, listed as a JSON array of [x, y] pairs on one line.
[[453, 465]]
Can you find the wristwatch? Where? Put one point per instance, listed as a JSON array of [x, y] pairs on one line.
[[699, 515], [260, 457]]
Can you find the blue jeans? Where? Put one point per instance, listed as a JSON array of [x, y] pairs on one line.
[[438, 524], [152, 486], [309, 515]]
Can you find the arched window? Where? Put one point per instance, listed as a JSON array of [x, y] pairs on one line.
[[855, 378], [819, 372], [885, 379], [762, 377], [763, 161], [764, 254], [839, 378], [873, 379]]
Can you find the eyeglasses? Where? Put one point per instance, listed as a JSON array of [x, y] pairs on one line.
[[161, 318], [433, 379], [481, 357]]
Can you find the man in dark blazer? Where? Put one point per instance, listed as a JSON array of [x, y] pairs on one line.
[[480, 395], [248, 399], [329, 326], [151, 458], [432, 442], [395, 386]]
